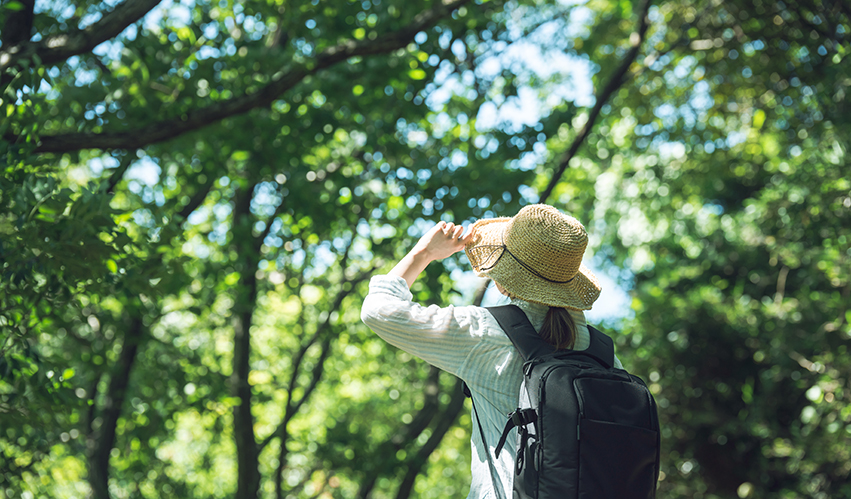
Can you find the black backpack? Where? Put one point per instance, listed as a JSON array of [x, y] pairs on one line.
[[586, 430]]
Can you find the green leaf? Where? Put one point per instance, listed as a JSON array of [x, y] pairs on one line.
[[417, 74]]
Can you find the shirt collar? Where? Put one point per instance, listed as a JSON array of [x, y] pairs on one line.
[[537, 311]]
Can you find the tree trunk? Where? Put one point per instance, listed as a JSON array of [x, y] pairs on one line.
[[245, 294]]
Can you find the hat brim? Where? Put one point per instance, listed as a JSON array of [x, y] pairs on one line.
[[484, 250]]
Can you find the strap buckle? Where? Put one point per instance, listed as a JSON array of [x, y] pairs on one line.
[[519, 418]]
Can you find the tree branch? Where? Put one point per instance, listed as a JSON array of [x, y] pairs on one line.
[[617, 79], [118, 174], [318, 370], [102, 439], [57, 48], [196, 200], [282, 81], [292, 407], [407, 433], [444, 423]]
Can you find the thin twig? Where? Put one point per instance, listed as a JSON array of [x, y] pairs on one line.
[[617, 79]]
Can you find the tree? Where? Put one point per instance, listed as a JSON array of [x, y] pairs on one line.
[[284, 195], [194, 197]]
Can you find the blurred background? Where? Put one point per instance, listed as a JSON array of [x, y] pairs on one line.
[[195, 194]]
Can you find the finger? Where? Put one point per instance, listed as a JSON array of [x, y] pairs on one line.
[[456, 234], [448, 228]]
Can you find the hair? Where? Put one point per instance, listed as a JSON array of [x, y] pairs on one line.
[[559, 329]]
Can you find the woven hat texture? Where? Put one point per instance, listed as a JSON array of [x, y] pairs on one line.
[[536, 256]]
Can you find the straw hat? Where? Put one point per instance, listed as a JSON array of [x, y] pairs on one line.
[[536, 256]]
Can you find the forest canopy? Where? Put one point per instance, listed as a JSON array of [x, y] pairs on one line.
[[194, 196]]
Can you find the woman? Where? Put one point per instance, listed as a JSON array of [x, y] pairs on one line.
[[535, 258]]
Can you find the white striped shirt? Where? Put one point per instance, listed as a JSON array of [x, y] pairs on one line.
[[467, 342]]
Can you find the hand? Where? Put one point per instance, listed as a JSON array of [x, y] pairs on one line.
[[441, 241]]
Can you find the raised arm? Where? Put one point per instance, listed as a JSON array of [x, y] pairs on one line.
[[441, 241]]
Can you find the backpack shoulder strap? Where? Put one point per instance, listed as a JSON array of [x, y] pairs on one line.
[[516, 325], [602, 347], [520, 331]]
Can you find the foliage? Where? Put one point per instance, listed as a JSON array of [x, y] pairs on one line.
[[729, 204], [193, 199]]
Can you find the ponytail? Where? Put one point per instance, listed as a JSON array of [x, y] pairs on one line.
[[559, 329]]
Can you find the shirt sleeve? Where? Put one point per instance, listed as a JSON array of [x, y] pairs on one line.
[[441, 336]]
